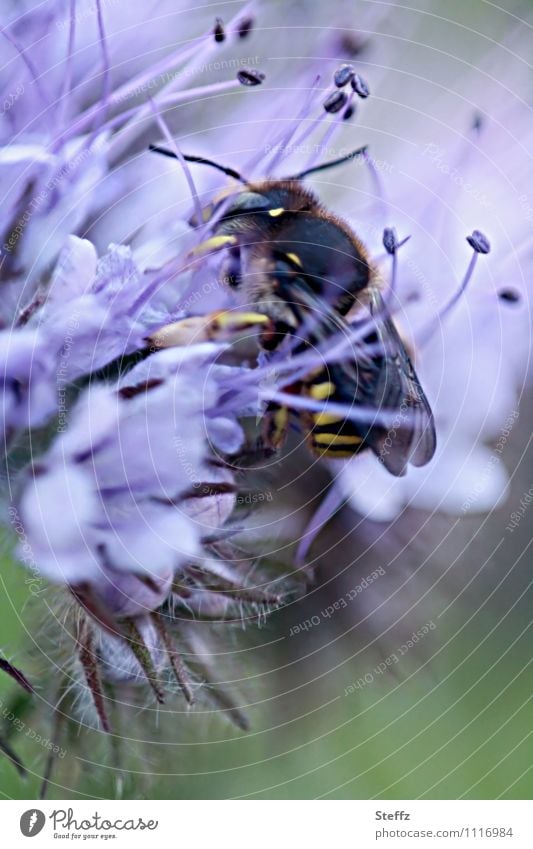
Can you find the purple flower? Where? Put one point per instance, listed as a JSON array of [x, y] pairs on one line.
[[123, 469], [130, 502]]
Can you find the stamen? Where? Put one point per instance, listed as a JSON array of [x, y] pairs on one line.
[[125, 91], [354, 412], [245, 27], [327, 509], [282, 141], [174, 99], [378, 184], [510, 296], [480, 245], [349, 111], [479, 242], [335, 101], [331, 130], [390, 240], [219, 32], [28, 62], [250, 77], [106, 85], [477, 123], [352, 43], [360, 86], [446, 188], [186, 170], [391, 245], [198, 52], [63, 97], [308, 131], [343, 75]]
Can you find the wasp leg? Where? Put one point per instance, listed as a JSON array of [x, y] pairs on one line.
[[219, 326], [275, 427], [212, 245]]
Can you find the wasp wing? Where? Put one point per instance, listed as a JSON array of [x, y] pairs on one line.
[[384, 378], [393, 385]]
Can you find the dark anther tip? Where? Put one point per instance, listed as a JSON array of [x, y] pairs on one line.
[[352, 43], [218, 31], [335, 101], [360, 86], [245, 27], [510, 296], [390, 240], [477, 123], [247, 76], [479, 242], [343, 75], [348, 112]]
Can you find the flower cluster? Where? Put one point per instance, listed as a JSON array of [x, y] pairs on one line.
[[122, 458]]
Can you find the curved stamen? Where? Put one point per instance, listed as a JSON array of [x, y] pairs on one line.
[[480, 245], [379, 188], [392, 245], [331, 131], [28, 62], [67, 83], [106, 64], [175, 149], [329, 506], [201, 54], [284, 139]]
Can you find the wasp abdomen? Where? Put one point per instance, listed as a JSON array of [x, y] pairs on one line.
[[328, 433]]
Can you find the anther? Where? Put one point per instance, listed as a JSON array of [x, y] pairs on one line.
[[352, 43], [360, 86], [479, 242], [348, 112], [335, 102], [477, 123], [343, 75], [390, 240], [245, 27], [510, 296], [218, 31], [249, 77], [480, 245]]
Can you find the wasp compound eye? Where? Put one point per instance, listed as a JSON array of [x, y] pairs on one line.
[[335, 101], [249, 77], [343, 75]]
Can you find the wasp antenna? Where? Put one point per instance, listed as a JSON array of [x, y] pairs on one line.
[[229, 172], [360, 151]]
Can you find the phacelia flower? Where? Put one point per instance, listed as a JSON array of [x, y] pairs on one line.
[[125, 462]]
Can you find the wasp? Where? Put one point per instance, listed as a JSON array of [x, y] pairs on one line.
[[303, 270]]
